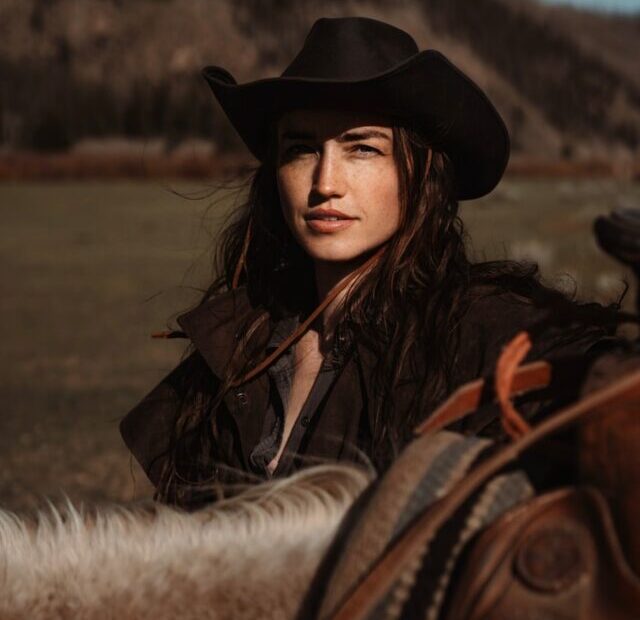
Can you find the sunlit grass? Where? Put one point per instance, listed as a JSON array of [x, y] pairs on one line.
[[89, 270]]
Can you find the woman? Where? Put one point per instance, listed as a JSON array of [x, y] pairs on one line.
[[347, 308]]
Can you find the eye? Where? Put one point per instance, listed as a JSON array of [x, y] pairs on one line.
[[366, 149], [297, 150]]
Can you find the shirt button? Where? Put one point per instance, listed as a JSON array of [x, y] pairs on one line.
[[243, 399], [305, 421]]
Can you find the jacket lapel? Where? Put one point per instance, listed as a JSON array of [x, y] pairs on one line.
[[215, 328]]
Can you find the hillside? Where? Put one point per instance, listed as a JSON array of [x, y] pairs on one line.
[[565, 80]]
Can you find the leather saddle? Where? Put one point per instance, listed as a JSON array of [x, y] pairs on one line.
[[457, 528]]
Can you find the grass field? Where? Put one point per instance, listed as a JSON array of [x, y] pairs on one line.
[[90, 270]]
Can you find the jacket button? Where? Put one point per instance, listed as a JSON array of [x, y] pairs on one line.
[[243, 399], [305, 421]]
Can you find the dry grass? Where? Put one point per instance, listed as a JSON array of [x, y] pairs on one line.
[[21, 166], [91, 269]]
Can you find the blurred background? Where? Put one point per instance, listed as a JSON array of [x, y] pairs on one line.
[[117, 168]]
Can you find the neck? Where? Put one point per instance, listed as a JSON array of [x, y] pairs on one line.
[[330, 275]]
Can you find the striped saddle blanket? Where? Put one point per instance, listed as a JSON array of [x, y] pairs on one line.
[[423, 474]]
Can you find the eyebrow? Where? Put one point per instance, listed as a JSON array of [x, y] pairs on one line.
[[348, 136], [367, 134]]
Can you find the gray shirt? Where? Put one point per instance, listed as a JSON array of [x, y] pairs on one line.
[[281, 378]]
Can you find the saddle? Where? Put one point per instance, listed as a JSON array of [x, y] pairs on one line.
[[460, 527]]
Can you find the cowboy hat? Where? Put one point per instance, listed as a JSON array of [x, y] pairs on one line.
[[357, 63]]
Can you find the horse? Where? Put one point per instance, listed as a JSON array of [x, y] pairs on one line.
[[246, 557]]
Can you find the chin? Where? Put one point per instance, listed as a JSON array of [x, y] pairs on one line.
[[334, 252]]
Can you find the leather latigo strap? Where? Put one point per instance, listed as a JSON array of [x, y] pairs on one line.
[[510, 380], [471, 396], [408, 547]]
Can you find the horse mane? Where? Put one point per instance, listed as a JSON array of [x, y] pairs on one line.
[[248, 556]]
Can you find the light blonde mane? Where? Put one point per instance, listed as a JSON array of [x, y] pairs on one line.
[[250, 556]]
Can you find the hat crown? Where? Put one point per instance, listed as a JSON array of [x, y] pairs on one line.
[[351, 48]]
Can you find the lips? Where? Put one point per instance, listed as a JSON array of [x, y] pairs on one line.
[[328, 220]]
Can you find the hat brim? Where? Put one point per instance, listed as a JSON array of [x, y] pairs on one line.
[[426, 91]]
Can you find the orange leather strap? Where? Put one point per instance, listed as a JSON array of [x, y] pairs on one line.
[[469, 397], [516, 350]]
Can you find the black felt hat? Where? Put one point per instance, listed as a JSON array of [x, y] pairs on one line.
[[357, 63]]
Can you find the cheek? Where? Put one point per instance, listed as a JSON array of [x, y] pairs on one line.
[[393, 200], [383, 198], [292, 192], [284, 193]]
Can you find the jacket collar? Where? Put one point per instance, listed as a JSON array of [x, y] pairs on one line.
[[214, 327]]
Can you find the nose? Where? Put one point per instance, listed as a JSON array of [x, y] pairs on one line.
[[328, 179]]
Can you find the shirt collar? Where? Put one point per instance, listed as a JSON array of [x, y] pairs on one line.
[[282, 330]]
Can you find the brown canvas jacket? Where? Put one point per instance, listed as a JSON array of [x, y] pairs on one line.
[[339, 429]]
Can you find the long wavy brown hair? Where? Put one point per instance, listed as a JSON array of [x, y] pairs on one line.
[[406, 309]]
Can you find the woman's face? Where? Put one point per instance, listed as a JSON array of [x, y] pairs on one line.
[[338, 182]]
